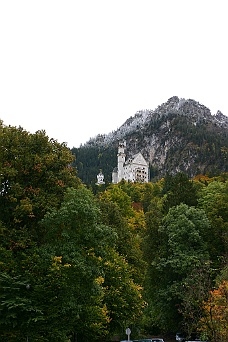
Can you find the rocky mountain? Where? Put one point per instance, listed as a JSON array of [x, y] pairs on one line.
[[179, 135]]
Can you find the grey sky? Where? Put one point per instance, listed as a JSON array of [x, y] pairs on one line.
[[77, 68]]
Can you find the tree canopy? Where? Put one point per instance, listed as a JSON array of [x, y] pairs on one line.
[[77, 264]]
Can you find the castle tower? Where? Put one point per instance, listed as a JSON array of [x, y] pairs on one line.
[[121, 160], [100, 178]]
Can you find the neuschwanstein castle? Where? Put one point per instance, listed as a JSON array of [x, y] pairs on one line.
[[134, 169]]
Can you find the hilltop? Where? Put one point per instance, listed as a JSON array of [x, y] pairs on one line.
[[179, 135]]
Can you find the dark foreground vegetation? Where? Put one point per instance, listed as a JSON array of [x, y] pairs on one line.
[[83, 265]]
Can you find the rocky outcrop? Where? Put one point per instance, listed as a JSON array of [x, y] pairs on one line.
[[179, 135]]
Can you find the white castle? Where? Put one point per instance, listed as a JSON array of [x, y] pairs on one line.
[[134, 169]]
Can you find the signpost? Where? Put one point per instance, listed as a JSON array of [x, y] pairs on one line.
[[128, 333]]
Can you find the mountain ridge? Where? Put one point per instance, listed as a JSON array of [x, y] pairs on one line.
[[178, 136], [173, 104]]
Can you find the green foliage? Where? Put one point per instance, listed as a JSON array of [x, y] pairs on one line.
[[34, 175], [72, 263], [90, 159], [112, 217], [115, 194], [214, 200], [17, 309], [179, 189], [78, 282], [77, 236], [179, 254], [123, 296], [129, 232]]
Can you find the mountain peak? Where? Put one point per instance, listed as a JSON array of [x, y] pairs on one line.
[[179, 135], [192, 110]]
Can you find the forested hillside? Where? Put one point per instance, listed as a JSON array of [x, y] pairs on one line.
[[77, 265], [178, 136], [89, 161]]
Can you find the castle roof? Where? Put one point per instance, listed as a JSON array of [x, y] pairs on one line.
[[137, 159]]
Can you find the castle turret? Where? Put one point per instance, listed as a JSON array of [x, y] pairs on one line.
[[121, 160], [100, 178]]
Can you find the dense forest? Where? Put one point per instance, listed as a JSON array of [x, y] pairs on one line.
[[82, 263], [89, 160]]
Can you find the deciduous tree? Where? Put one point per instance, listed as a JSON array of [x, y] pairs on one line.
[[34, 174], [181, 252]]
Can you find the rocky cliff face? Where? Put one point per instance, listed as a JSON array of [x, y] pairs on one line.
[[179, 135]]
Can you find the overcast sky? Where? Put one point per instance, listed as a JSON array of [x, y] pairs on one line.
[[77, 68]]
